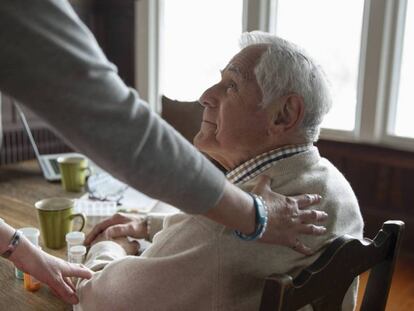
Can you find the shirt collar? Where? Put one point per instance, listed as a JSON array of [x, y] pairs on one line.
[[253, 167]]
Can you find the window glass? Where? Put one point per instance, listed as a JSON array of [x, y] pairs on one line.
[[404, 114], [198, 39], [331, 32]]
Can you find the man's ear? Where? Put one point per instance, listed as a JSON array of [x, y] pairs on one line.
[[289, 113]]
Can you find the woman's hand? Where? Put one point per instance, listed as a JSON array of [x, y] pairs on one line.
[[119, 225], [53, 271], [289, 218]]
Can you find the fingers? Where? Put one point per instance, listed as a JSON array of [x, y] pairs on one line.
[[114, 220], [78, 271], [120, 231], [301, 248], [131, 247], [69, 282], [312, 230], [64, 291], [64, 288], [312, 216], [96, 231], [306, 200], [262, 185]]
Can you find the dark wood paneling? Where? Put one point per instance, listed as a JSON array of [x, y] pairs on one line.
[[114, 24], [16, 145], [382, 179]]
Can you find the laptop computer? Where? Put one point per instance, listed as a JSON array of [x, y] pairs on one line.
[[47, 162]]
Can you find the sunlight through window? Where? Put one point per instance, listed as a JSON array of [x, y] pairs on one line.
[[199, 38], [331, 32], [404, 120]]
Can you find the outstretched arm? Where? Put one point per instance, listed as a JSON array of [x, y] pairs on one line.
[[54, 272], [51, 63]]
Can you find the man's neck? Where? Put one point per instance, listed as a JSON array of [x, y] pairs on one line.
[[231, 161]]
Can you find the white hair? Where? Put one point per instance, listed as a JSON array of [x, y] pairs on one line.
[[284, 68]]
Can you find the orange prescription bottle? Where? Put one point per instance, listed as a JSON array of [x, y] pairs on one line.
[[29, 282]]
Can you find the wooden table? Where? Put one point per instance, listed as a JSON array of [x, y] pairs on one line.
[[21, 185]]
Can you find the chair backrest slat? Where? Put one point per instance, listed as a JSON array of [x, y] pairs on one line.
[[379, 281], [185, 117], [325, 283]]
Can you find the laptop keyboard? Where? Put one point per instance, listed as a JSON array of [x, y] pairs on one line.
[[55, 166]]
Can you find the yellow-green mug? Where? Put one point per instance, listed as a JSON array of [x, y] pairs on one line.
[[56, 220], [73, 170]]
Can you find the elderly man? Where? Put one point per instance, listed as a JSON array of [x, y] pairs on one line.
[[260, 119]]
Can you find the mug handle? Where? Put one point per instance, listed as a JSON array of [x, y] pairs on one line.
[[89, 170], [82, 216]]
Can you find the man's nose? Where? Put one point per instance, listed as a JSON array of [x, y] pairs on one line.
[[208, 98]]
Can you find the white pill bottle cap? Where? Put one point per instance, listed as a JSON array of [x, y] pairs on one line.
[[75, 237], [32, 234]]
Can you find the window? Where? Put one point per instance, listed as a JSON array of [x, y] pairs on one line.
[[403, 123], [198, 39], [362, 45], [331, 33]]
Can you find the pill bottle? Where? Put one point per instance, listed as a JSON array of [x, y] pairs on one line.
[[74, 238], [30, 283], [77, 254], [32, 234]]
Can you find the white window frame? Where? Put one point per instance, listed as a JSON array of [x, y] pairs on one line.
[[384, 38], [379, 63], [148, 15], [148, 42], [395, 57]]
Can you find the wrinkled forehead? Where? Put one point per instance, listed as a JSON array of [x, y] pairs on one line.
[[244, 62]]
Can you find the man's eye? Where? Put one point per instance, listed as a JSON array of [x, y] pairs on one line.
[[232, 86]]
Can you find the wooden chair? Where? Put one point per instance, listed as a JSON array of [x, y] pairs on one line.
[[185, 117], [325, 282]]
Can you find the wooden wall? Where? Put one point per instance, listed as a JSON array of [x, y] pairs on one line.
[[383, 180], [113, 24]]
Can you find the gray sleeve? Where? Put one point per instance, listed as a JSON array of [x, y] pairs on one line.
[[51, 63]]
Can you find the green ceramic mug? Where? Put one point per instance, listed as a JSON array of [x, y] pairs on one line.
[[56, 220], [74, 170]]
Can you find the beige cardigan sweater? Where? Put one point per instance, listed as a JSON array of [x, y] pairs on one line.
[[196, 264]]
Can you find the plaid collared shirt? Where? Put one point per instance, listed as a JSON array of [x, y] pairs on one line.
[[262, 162]]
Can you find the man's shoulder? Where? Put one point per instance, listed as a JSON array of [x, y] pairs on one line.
[[304, 172]]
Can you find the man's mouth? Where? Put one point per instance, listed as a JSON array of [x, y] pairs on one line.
[[209, 122], [210, 125]]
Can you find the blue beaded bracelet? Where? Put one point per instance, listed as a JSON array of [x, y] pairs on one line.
[[261, 220]]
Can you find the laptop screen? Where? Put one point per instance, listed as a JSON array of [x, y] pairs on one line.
[[54, 164]]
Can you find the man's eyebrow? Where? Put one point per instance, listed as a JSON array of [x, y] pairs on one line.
[[237, 71]]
